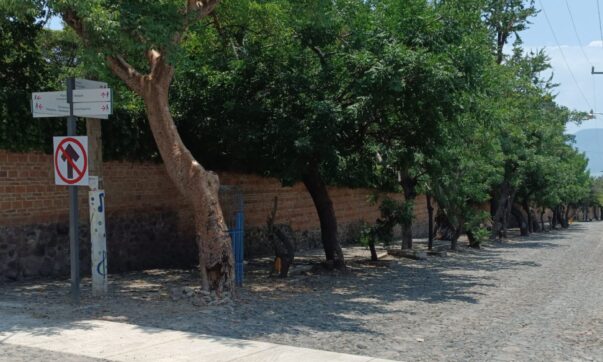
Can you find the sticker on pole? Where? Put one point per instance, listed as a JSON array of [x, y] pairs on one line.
[[71, 161]]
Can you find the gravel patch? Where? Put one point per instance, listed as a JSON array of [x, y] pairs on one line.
[[534, 298]]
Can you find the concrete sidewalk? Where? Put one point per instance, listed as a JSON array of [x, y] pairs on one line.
[[113, 341]]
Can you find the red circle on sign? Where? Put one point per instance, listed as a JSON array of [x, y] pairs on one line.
[[56, 159]]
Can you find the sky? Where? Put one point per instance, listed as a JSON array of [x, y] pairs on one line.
[[573, 53]]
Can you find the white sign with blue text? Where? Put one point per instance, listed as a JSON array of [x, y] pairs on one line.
[[98, 238]]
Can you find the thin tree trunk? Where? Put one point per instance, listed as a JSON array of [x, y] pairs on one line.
[[535, 221], [454, 242], [374, 256], [526, 208], [409, 185], [542, 219], [521, 220], [555, 217], [447, 229], [508, 210], [430, 222], [493, 205], [498, 231], [326, 214]]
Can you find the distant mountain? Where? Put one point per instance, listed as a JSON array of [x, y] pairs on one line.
[[590, 141]]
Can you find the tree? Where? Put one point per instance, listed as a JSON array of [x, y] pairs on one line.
[[23, 70], [431, 57], [282, 75], [140, 42], [506, 18]]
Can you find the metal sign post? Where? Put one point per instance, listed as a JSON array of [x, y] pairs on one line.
[[91, 99], [74, 244]]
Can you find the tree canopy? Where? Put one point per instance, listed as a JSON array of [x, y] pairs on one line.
[[411, 97]]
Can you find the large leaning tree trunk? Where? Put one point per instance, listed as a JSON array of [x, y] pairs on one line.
[[326, 214], [198, 185]]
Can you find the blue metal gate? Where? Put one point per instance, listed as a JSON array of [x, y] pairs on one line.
[[231, 200]]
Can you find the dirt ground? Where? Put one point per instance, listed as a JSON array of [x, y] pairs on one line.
[[535, 298]]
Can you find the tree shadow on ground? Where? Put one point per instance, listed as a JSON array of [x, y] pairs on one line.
[[303, 304], [319, 302]]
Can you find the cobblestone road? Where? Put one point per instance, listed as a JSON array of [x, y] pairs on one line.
[[536, 298]]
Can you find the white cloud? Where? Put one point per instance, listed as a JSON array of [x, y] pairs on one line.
[[595, 44]]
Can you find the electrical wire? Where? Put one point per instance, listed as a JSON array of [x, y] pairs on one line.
[[580, 44], [563, 56], [600, 24], [576, 32]]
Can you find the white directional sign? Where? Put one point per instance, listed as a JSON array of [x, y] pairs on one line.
[[79, 96], [92, 95], [86, 103], [89, 84], [71, 160]]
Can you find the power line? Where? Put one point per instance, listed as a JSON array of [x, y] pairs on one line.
[[563, 55], [580, 44], [600, 25], [576, 32]]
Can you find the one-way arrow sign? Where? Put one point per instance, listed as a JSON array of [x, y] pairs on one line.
[[71, 160]]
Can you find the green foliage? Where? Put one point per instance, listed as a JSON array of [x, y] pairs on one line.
[[480, 235], [368, 236], [393, 213], [38, 59], [505, 18], [381, 93], [23, 70], [597, 190]]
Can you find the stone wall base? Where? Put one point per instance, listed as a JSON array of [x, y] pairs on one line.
[[134, 242]]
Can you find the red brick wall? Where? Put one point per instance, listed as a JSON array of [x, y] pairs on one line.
[[28, 195]]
